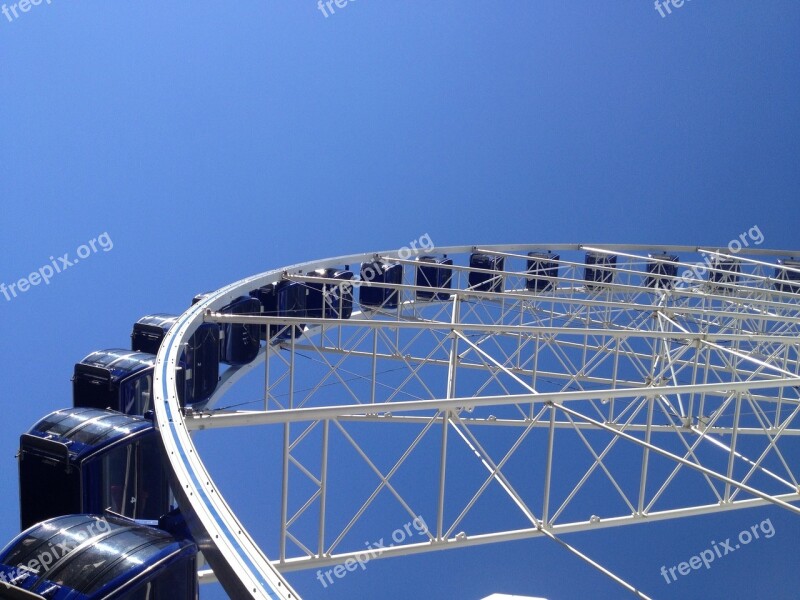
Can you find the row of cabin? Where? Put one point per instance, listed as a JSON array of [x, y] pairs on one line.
[[122, 379], [96, 471]]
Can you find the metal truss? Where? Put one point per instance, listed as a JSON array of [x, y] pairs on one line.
[[503, 413]]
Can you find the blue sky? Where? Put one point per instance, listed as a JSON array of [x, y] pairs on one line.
[[215, 140]]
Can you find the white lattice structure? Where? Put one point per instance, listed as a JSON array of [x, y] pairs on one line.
[[592, 396]]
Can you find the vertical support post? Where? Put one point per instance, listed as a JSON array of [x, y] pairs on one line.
[[342, 292], [442, 476], [535, 372], [732, 453], [548, 470], [453, 364], [284, 491], [451, 393], [267, 352], [695, 366], [323, 488], [614, 383], [374, 365], [291, 369], [706, 371], [778, 406], [645, 455]]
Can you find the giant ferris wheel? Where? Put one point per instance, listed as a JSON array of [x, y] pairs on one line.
[[546, 389]]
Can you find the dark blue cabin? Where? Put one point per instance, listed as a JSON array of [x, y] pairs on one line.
[[239, 343], [724, 272], [267, 296], [89, 460], [599, 269], [787, 274], [482, 281], [434, 272], [330, 300], [299, 299], [542, 270], [661, 273], [291, 302], [379, 297], [118, 379], [200, 356], [87, 557]]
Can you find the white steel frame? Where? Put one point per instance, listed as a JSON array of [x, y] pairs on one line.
[[704, 375]]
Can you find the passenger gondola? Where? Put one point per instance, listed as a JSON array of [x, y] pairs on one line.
[[86, 557], [81, 460], [118, 379], [201, 355]]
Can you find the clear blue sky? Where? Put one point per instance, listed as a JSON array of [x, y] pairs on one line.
[[216, 140]]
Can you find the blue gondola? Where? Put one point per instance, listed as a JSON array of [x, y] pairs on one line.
[[330, 301], [301, 300], [291, 303], [433, 272], [95, 460], [239, 343], [787, 280], [662, 274], [267, 296], [599, 269], [541, 266], [724, 272], [485, 282], [379, 297], [87, 557], [201, 356], [118, 379]]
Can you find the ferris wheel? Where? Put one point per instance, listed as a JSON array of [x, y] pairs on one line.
[[488, 394]]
